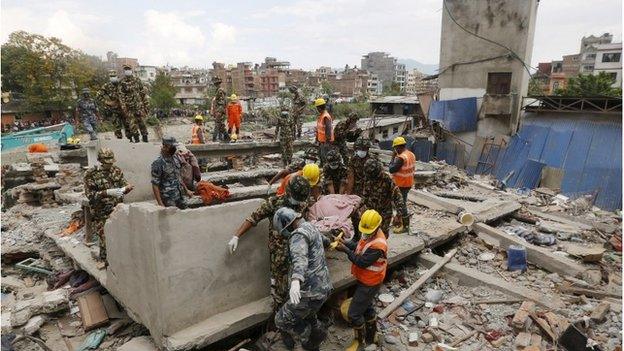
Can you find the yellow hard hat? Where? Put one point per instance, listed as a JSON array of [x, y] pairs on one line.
[[344, 309], [312, 173], [318, 102], [199, 118], [233, 97], [73, 140], [233, 137], [398, 141], [369, 222]]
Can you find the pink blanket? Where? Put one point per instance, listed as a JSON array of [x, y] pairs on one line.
[[333, 212]]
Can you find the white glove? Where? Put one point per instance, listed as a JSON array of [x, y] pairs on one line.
[[269, 190], [116, 192], [295, 292], [233, 244]]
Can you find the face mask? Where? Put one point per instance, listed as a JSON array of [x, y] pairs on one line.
[[128, 73], [361, 153], [366, 236], [114, 79], [333, 166]]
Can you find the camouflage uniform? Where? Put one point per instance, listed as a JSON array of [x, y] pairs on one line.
[[109, 97], [295, 165], [309, 266], [166, 174], [334, 172], [219, 104], [96, 181], [343, 133], [380, 193], [298, 107], [134, 104], [284, 132], [278, 244], [356, 167], [87, 110]]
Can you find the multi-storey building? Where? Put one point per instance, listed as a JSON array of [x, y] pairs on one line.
[[387, 68], [191, 85]]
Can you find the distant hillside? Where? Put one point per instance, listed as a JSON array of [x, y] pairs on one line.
[[422, 67]]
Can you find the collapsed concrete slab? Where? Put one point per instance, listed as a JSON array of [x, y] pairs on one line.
[[171, 270]]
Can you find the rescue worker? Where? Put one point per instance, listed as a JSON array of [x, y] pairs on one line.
[[284, 133], [218, 111], [234, 115], [379, 193], [109, 96], [105, 187], [296, 196], [346, 130], [167, 185], [402, 167], [88, 112], [324, 132], [312, 173], [134, 104], [334, 174], [197, 133], [298, 107], [297, 164], [310, 284], [368, 266], [355, 170]]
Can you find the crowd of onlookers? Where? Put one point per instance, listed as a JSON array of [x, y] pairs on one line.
[[18, 126]]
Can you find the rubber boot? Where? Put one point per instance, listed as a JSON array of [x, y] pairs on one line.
[[359, 339], [145, 138], [371, 332], [136, 138], [317, 336], [288, 340], [406, 225]]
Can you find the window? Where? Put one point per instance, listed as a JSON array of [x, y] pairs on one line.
[[384, 134], [590, 56], [611, 57], [588, 68], [499, 83], [555, 85], [395, 130]]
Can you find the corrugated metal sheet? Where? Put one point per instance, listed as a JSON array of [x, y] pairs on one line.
[[423, 149], [455, 115], [530, 174], [587, 148]]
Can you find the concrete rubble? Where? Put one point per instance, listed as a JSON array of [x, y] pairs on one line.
[[571, 276]]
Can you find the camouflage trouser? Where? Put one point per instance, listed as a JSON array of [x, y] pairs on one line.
[[175, 200], [98, 219], [136, 123], [119, 123], [298, 125], [279, 275], [299, 319], [344, 152], [386, 221], [90, 125], [220, 131], [287, 151]]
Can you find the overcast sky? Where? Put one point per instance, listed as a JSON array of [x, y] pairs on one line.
[[308, 33]]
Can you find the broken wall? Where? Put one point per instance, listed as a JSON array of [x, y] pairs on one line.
[[170, 268]]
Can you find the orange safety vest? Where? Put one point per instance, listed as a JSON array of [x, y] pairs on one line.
[[376, 272], [195, 135], [404, 178], [320, 128], [282, 188]]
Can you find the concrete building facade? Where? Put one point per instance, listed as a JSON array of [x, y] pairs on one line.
[[147, 74], [609, 60], [473, 67], [191, 85], [374, 85], [387, 68]]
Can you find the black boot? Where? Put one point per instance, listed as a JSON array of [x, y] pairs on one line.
[[317, 336], [371, 332], [136, 138], [359, 341], [145, 138], [288, 340]]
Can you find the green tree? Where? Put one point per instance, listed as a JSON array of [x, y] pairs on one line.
[[46, 73], [393, 89], [535, 87], [590, 85], [163, 92], [327, 88]]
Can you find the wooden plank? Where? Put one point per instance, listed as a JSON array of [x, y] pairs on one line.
[[559, 218], [519, 320], [599, 294], [536, 255], [407, 293], [92, 311], [495, 212], [543, 326]]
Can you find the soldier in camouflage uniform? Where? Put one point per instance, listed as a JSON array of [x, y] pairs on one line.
[[334, 173], [296, 196], [310, 285], [87, 110], [134, 104], [379, 193], [355, 170], [219, 104], [297, 109], [105, 187], [109, 97], [167, 184], [284, 132], [346, 130]]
